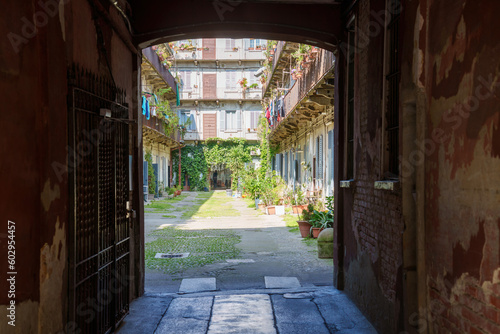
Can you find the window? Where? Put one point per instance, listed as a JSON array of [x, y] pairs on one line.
[[230, 120], [254, 119], [185, 80], [231, 80], [252, 79], [297, 167], [319, 155], [349, 173], [230, 44], [184, 116], [330, 160], [392, 84], [254, 43], [285, 170]]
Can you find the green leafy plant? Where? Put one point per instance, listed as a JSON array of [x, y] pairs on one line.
[[151, 173], [307, 213], [298, 197]]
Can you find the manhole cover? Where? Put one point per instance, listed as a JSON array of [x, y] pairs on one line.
[[171, 255]]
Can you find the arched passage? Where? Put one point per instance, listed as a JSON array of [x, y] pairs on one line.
[[296, 21], [446, 192]]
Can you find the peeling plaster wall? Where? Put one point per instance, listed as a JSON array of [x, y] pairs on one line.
[[462, 164], [33, 72]]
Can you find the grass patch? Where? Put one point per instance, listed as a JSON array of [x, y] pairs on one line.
[[217, 205], [205, 247], [205, 195], [177, 199], [160, 205], [310, 241], [169, 216], [291, 220]]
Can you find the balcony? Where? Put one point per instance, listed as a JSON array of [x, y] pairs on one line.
[[154, 129], [222, 93], [221, 54], [308, 98], [281, 59], [157, 73]]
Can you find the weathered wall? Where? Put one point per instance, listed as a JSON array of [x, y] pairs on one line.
[[462, 163], [43, 38], [372, 218]]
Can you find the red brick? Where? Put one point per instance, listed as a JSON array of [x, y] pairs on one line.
[[472, 316], [490, 313], [494, 300], [474, 330]]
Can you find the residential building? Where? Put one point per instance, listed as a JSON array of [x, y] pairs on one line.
[[298, 97], [159, 93], [220, 93]]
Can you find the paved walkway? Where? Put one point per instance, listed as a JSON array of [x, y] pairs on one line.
[[276, 285], [319, 310], [267, 249]]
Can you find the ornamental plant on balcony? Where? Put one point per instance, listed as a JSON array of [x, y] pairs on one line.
[[243, 83]]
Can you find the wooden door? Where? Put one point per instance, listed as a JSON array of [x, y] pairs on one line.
[[209, 126]]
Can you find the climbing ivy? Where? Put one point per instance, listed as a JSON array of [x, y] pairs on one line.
[[151, 173], [215, 153]]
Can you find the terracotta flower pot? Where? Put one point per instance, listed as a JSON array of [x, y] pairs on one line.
[[316, 231], [297, 209], [304, 228], [271, 210]]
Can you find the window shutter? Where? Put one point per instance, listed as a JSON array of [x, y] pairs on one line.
[[192, 126], [320, 161], [238, 120], [285, 170], [299, 170], [222, 120]]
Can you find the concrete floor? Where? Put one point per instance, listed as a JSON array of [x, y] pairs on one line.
[[277, 285]]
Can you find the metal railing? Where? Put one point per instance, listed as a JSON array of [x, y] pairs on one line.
[[323, 64], [277, 55]]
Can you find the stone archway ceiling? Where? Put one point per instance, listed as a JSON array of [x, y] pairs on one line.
[[316, 22]]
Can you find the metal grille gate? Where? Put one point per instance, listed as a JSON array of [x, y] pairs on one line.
[[99, 188]]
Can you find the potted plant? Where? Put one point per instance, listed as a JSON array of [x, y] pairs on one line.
[[178, 190], [299, 201], [305, 217], [320, 220]]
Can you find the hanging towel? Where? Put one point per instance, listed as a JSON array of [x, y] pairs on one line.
[[148, 115], [144, 105], [156, 98]]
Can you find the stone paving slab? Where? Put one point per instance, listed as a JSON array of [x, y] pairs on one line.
[[276, 282], [198, 284], [186, 316], [237, 314], [298, 316], [139, 321], [342, 316]]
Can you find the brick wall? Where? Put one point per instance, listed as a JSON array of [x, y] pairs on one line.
[[373, 220]]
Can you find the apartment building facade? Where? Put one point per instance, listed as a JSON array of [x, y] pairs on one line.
[[212, 95], [298, 97], [158, 87]]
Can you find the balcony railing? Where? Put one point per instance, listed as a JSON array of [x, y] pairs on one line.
[[222, 93], [311, 77], [153, 59], [222, 54], [158, 127], [277, 55]]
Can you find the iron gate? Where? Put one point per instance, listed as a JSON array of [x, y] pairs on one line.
[[99, 248]]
